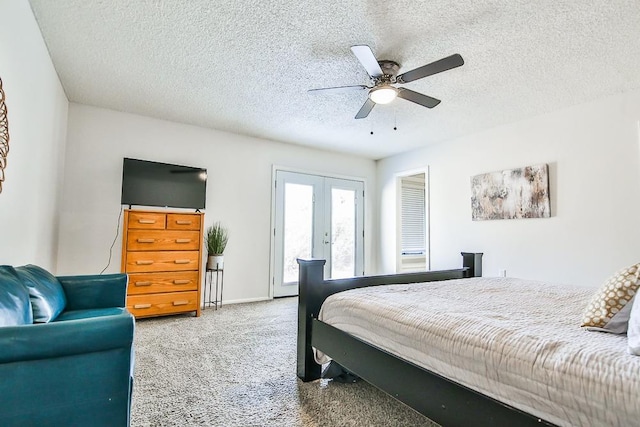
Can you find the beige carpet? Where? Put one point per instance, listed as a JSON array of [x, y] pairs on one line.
[[236, 367]]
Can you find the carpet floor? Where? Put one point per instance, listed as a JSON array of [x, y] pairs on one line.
[[236, 366]]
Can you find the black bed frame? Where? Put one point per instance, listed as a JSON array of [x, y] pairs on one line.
[[438, 398]]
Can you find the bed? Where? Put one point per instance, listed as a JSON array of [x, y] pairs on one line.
[[435, 344]]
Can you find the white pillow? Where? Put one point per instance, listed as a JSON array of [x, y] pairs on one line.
[[633, 333]]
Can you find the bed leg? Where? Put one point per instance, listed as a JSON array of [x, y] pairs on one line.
[[473, 260], [310, 280]]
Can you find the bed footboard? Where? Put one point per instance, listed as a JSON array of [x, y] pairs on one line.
[[313, 290]]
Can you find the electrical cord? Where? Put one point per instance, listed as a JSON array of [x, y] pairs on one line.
[[114, 240]]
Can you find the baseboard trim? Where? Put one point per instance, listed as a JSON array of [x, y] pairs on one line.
[[241, 301]]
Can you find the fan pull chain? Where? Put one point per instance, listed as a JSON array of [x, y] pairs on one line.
[[395, 118]]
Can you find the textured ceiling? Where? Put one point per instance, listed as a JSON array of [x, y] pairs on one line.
[[246, 66]]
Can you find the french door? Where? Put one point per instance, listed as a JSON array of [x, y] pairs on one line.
[[317, 217]]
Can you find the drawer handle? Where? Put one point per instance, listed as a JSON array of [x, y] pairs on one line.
[[183, 222], [147, 283], [144, 262], [142, 306], [147, 221], [182, 261], [183, 240], [146, 240], [181, 302], [181, 282]]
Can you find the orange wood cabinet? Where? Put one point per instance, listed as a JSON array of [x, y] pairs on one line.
[[162, 254]]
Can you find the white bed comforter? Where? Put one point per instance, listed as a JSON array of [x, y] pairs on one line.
[[515, 340]]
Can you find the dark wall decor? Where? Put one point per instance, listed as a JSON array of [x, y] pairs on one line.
[[4, 136], [511, 194]]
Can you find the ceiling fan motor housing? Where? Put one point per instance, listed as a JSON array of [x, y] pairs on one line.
[[389, 69]]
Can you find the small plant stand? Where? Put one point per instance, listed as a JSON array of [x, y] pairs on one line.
[[214, 279]]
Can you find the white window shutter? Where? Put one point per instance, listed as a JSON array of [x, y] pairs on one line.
[[413, 218]]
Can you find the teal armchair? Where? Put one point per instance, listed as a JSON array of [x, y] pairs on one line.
[[74, 370]]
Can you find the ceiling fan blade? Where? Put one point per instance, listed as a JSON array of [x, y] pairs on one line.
[[367, 59], [439, 66], [339, 89], [418, 98], [366, 109]]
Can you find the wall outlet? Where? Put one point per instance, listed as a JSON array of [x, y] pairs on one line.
[[502, 272]]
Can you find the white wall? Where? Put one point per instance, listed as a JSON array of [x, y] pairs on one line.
[[37, 112], [238, 189], [594, 161]]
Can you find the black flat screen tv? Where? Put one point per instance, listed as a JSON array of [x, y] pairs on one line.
[[148, 183]]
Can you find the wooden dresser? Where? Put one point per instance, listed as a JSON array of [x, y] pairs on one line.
[[162, 254]]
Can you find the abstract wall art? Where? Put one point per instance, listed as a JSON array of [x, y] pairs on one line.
[[4, 136], [511, 194]]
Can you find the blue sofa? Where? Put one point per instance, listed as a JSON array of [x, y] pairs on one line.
[[66, 348]]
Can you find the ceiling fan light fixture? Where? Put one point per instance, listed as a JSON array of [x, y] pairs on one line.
[[383, 94]]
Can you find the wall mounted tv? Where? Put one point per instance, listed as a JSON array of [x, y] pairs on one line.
[[148, 183]]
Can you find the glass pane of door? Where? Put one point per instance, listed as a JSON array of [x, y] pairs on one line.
[[343, 233], [298, 228]]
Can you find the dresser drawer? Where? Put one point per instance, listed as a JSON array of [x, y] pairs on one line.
[[167, 303], [151, 283], [147, 220], [150, 261], [163, 240], [183, 221]]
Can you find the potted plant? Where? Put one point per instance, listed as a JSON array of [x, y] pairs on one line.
[[216, 238]]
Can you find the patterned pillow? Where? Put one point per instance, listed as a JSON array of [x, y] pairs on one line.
[[610, 307]]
